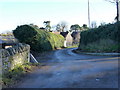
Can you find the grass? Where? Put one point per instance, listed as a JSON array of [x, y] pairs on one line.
[[73, 46], [104, 45], [13, 76]]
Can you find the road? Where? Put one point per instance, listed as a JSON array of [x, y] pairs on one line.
[[65, 69]]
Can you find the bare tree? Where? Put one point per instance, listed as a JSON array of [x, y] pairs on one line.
[[93, 24], [63, 26], [117, 2]]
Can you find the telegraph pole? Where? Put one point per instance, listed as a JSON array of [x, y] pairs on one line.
[[88, 13]]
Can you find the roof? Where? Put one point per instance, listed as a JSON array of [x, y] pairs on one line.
[[56, 32], [75, 34], [64, 34]]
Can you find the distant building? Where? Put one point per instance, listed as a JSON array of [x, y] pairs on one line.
[[76, 37], [42, 28], [7, 41], [68, 38], [64, 34], [56, 33]]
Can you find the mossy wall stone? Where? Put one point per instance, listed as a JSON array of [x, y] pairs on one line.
[[15, 56]]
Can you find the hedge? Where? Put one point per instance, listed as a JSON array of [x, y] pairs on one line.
[[109, 31], [96, 40], [38, 39]]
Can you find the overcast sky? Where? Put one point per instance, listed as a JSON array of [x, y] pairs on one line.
[[19, 12]]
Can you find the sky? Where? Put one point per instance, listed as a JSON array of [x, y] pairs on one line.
[[19, 12]]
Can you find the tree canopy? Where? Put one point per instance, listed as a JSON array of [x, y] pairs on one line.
[[47, 25], [75, 27], [62, 26]]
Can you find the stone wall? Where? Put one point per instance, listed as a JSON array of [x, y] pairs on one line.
[[15, 56]]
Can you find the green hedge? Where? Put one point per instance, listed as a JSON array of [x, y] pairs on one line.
[[39, 40], [109, 31], [106, 32]]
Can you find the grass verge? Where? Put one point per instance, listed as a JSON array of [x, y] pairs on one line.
[[73, 46], [14, 76], [102, 46]]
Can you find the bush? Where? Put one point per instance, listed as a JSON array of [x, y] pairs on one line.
[[104, 33], [39, 40]]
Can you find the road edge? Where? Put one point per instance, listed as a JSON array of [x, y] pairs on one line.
[[99, 54]]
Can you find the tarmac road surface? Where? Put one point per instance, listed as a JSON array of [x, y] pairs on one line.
[[65, 69]]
